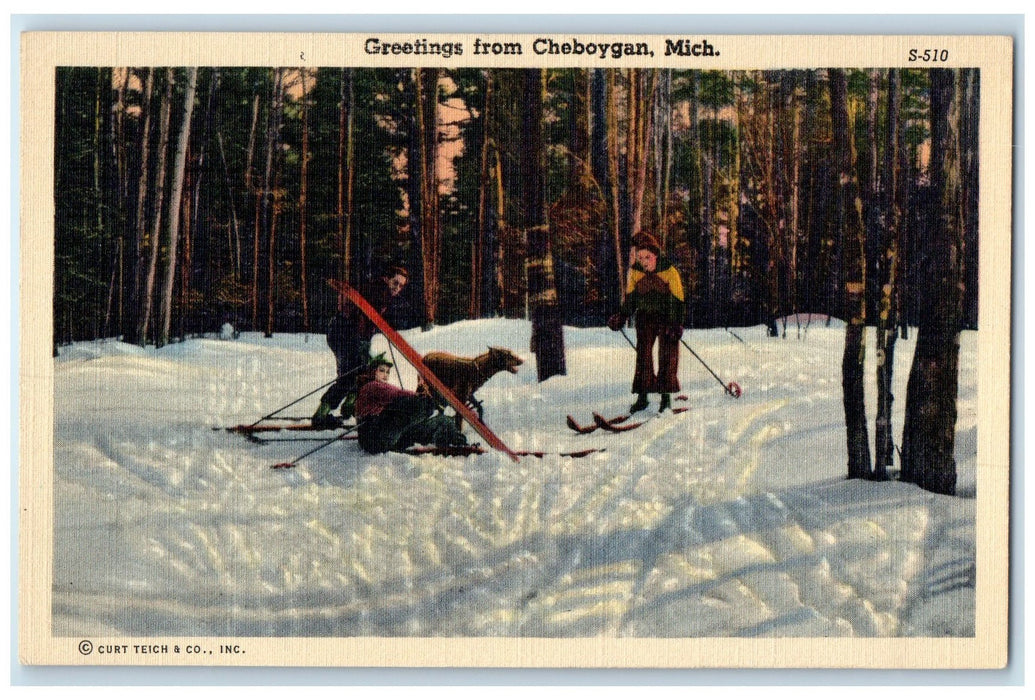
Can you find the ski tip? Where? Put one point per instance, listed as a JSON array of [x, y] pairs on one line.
[[581, 429], [283, 465]]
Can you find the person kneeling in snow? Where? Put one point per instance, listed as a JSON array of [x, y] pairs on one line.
[[391, 418]]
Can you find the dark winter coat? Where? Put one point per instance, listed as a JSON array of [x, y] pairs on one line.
[[391, 418], [655, 296], [350, 332]]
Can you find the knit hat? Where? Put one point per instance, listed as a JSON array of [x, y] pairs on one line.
[[645, 241], [379, 360]]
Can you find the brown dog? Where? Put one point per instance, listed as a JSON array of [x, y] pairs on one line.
[[465, 375]]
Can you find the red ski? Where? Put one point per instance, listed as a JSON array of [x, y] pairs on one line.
[[464, 450], [415, 359]]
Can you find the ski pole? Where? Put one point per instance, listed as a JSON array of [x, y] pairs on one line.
[[396, 364], [631, 343], [735, 335], [733, 389], [271, 415], [299, 458], [300, 398]]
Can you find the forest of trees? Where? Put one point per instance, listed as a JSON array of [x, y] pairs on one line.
[[191, 197]]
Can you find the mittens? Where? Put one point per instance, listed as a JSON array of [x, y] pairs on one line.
[[617, 321], [672, 332]]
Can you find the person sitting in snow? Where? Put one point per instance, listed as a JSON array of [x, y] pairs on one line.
[[391, 418], [654, 293], [349, 335]]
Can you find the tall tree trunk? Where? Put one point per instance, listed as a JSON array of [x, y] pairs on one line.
[[147, 293], [346, 172], [140, 239], [887, 311], [970, 110], [613, 181], [547, 331], [426, 86], [175, 201], [607, 253], [233, 242], [257, 192], [271, 199], [641, 112], [302, 194], [663, 149], [849, 211], [476, 307], [928, 438]]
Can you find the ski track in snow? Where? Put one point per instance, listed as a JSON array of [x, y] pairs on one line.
[[732, 519]]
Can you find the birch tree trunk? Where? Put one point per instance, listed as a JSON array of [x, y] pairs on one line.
[[148, 290], [175, 200]]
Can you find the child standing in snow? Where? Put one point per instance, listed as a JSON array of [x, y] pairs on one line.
[[655, 294], [349, 335], [391, 418]]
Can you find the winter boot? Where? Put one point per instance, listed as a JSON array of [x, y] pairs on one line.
[[323, 419], [641, 403], [348, 406], [666, 403]]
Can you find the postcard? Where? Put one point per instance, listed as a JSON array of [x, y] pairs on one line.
[[515, 350]]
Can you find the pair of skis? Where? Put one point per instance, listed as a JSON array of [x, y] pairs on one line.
[[617, 424]]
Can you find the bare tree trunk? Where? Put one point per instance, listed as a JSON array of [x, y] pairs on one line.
[[426, 86], [346, 171], [887, 311], [663, 149], [140, 227], [928, 438], [147, 293], [249, 181], [641, 111], [475, 305], [175, 201], [612, 176], [270, 200], [547, 331], [849, 210], [233, 241], [303, 192]]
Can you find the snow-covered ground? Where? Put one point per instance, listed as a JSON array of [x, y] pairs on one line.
[[733, 519]]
